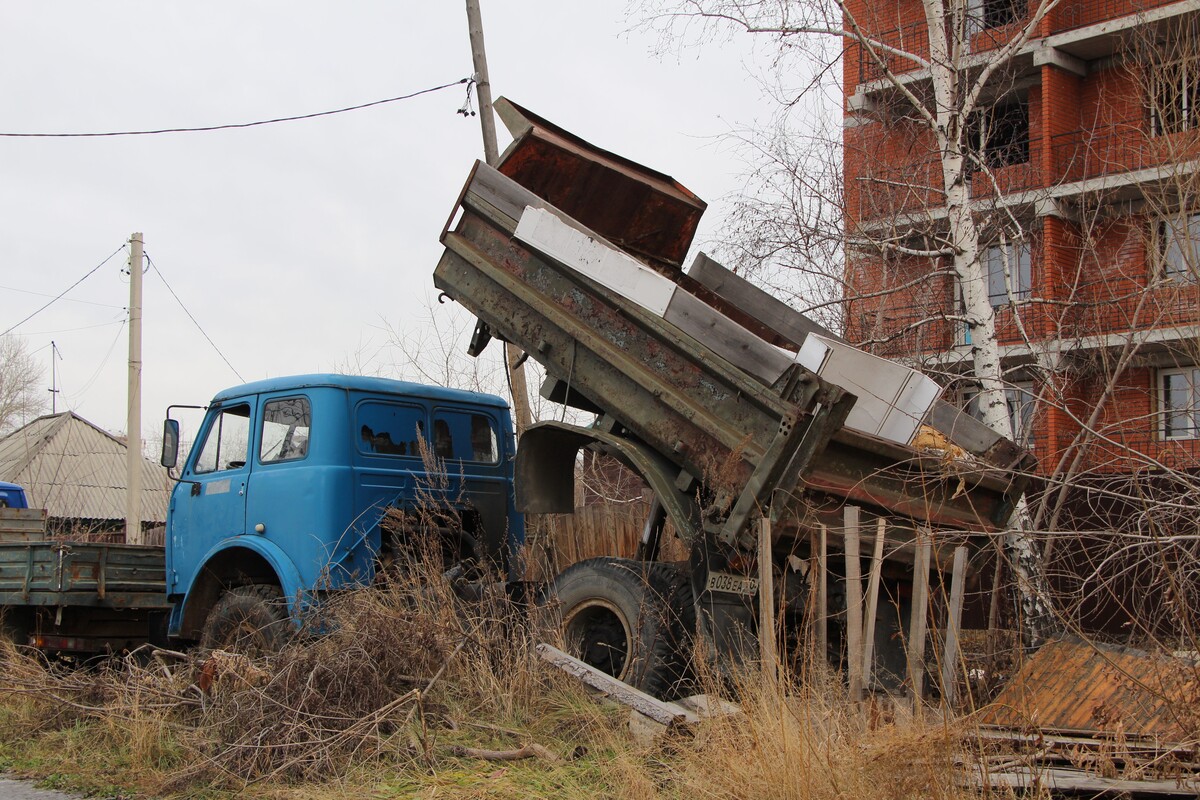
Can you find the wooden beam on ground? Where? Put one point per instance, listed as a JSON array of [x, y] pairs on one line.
[[661, 712], [868, 662], [918, 620], [854, 620], [958, 578], [1057, 779], [766, 601]]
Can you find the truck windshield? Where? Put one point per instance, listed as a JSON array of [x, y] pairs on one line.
[[228, 441]]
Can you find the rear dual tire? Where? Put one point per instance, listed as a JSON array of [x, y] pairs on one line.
[[626, 618]]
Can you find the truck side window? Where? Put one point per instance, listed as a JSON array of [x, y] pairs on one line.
[[390, 429], [285, 431], [227, 444], [466, 436]]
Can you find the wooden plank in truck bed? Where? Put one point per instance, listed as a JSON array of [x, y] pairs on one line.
[[22, 524]]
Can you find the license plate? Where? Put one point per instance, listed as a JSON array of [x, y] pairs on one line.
[[731, 584]]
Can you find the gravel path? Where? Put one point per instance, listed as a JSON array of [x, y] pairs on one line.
[[11, 789]]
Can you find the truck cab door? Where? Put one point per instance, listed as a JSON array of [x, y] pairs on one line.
[[209, 504]]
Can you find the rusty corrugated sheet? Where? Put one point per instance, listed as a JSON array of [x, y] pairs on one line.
[[647, 213], [1069, 687]]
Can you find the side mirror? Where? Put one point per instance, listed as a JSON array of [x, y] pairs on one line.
[[170, 443]]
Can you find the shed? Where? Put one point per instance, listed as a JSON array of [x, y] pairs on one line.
[[77, 472]]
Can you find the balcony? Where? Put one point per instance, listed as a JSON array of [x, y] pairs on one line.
[[1121, 155], [912, 38], [1083, 29], [878, 190], [1072, 14], [1102, 312], [1119, 146]]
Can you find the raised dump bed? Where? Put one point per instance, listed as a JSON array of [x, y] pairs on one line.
[[673, 374]]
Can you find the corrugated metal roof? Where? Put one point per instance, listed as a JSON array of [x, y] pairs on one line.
[[76, 470], [1075, 687]]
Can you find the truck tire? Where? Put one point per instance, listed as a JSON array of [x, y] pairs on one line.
[[616, 615], [251, 620]]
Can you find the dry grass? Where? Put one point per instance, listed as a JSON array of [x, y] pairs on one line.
[[378, 705]]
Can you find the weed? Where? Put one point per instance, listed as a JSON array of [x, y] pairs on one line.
[[406, 684]]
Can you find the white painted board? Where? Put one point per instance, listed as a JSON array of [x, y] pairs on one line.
[[595, 258], [892, 399]]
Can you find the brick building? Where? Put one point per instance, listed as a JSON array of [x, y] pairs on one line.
[[1086, 187]]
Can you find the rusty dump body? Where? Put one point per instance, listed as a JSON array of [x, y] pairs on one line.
[[698, 392]]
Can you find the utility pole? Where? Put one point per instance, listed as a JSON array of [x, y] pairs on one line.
[[514, 361], [54, 356], [133, 428]]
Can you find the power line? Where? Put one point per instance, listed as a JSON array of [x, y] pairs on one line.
[[206, 128], [193, 319], [77, 396], [64, 291], [120, 321], [69, 299]]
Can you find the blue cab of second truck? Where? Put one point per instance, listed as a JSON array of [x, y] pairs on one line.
[[289, 478]]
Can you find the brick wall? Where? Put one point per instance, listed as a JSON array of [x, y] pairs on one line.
[[1092, 274]]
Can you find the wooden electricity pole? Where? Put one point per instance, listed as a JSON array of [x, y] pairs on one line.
[[133, 427], [513, 357]]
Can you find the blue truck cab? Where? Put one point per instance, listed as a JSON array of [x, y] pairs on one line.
[[289, 481], [12, 496]]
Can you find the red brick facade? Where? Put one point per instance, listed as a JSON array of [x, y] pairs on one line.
[[1090, 185]]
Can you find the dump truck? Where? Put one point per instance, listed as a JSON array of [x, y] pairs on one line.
[[756, 430], [739, 414]]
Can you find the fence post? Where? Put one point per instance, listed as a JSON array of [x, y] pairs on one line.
[[918, 620]]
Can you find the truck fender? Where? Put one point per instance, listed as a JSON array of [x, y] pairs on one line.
[[186, 614], [545, 472]]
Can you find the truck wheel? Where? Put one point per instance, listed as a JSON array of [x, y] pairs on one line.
[[251, 620], [616, 615]]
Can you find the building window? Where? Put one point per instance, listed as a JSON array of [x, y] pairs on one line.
[[1175, 95], [1020, 400], [1179, 246], [1179, 402], [1008, 267], [999, 136], [994, 13]]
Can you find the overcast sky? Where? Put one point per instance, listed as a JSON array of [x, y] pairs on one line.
[[295, 245]]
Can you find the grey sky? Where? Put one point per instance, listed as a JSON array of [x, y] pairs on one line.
[[294, 244]]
